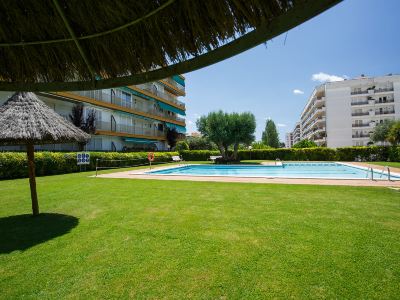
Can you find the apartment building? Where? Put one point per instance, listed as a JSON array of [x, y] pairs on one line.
[[344, 113], [132, 117]]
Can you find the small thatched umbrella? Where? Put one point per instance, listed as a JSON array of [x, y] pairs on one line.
[[26, 120]]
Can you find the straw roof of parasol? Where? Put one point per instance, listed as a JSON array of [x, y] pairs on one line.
[[84, 44], [24, 119]]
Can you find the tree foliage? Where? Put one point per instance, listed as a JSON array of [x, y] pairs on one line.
[[200, 143], [305, 144], [172, 137], [270, 135], [226, 129], [259, 145], [381, 131], [181, 145], [88, 125], [394, 133]]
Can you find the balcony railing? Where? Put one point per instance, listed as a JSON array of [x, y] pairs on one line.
[[384, 90], [384, 112], [360, 114], [108, 126], [362, 135], [360, 125], [381, 90], [175, 84], [100, 95], [150, 88]]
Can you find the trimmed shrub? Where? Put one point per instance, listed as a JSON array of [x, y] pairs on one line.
[[198, 155], [14, 164]]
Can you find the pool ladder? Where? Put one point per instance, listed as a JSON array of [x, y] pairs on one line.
[[388, 172], [382, 173], [372, 173]]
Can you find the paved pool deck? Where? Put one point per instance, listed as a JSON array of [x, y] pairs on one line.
[[140, 174]]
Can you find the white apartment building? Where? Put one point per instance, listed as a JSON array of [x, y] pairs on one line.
[[294, 136], [344, 113]]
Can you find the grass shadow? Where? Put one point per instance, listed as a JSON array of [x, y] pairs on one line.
[[24, 231]]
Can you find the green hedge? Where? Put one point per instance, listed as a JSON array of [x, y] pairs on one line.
[[14, 164], [374, 153]]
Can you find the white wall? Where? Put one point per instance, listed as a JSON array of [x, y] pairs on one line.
[[338, 116]]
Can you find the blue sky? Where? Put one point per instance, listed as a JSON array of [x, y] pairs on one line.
[[355, 37]]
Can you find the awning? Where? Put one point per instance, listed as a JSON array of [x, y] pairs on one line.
[[171, 108], [178, 128], [140, 141]]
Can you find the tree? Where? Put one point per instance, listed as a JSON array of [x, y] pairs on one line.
[[182, 145], [76, 115], [259, 145], [305, 144], [381, 131], [200, 143], [394, 133], [270, 135], [226, 130], [172, 137], [77, 118]]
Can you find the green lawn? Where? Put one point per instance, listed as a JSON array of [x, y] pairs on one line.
[[386, 163], [120, 238]]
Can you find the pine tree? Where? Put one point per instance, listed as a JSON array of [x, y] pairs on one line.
[[270, 135]]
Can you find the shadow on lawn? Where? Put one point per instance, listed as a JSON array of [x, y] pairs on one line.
[[24, 231]]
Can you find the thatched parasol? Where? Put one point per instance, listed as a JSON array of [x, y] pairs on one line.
[[24, 119], [83, 45]]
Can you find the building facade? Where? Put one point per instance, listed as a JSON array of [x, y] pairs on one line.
[[344, 113], [132, 117]]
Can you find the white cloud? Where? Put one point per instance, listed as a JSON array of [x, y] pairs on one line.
[[298, 92], [324, 77], [190, 122], [281, 125]]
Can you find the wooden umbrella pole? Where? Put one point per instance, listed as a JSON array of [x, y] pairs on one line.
[[32, 181]]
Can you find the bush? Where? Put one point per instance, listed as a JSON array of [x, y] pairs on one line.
[[182, 145], [305, 144], [14, 164], [198, 155]]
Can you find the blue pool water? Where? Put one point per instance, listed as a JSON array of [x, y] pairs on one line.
[[288, 170]]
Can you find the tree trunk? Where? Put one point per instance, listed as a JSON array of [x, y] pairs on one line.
[[235, 151], [32, 181]]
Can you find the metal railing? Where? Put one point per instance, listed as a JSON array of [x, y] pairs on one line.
[[360, 125], [360, 114], [100, 95], [388, 172], [384, 112], [355, 136], [175, 84], [102, 125], [153, 90]]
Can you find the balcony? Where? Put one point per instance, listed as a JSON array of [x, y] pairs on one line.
[[153, 90], [384, 101], [384, 112], [175, 84], [360, 136], [372, 91], [360, 114], [384, 90], [137, 130], [361, 125], [100, 95]]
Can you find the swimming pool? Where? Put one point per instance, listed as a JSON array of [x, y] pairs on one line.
[[287, 170]]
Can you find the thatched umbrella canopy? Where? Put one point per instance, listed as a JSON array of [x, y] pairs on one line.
[[24, 119], [82, 44]]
